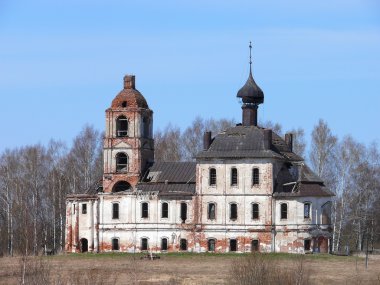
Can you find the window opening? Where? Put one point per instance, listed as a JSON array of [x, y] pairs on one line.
[[83, 245], [326, 213], [284, 211], [183, 244], [211, 211], [122, 127], [307, 244], [115, 211], [84, 208], [144, 210], [115, 244], [234, 177], [255, 176], [164, 210], [124, 104], [121, 186], [211, 245], [306, 210], [164, 244], [183, 212], [233, 212], [121, 162], [233, 245], [255, 245], [146, 127], [255, 211], [212, 178], [144, 244]]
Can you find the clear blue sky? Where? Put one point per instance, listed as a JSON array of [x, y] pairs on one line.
[[62, 62]]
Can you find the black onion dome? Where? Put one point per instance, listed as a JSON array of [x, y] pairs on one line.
[[251, 92]]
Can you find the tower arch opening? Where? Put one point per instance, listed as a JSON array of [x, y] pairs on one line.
[[121, 186]]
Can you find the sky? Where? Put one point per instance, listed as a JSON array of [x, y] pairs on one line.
[[62, 63]]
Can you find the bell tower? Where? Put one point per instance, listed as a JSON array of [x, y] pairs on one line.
[[128, 147]]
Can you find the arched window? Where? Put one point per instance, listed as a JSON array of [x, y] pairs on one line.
[[144, 210], [212, 177], [211, 244], [121, 126], [326, 213], [255, 211], [164, 210], [211, 211], [233, 211], [183, 212], [306, 210], [255, 176], [164, 244], [121, 186], [234, 177], [284, 211], [121, 162], [115, 244]]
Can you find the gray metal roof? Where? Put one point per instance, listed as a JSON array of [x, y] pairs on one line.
[[247, 142], [172, 172]]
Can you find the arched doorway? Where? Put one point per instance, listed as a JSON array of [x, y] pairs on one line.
[[83, 245]]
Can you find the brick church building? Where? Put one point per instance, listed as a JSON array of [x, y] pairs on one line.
[[246, 190]]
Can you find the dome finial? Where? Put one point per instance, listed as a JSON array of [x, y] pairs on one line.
[[250, 57]]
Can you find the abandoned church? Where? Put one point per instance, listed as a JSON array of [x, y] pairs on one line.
[[246, 190]]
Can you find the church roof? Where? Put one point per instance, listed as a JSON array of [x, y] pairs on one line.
[[247, 142], [129, 96]]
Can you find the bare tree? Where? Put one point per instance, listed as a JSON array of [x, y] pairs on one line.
[[167, 144]]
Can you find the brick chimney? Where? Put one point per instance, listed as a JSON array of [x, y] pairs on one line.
[[129, 82], [206, 140], [289, 140]]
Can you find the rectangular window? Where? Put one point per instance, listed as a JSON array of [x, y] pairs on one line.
[[183, 244], [115, 244], [164, 210], [233, 212], [306, 210], [115, 211], [255, 211], [144, 244], [211, 245], [212, 178], [307, 244], [284, 211], [84, 208], [255, 245], [164, 244], [144, 210], [233, 245], [211, 211], [255, 176], [234, 177]]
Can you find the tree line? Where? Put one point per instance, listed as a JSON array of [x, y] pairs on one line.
[[35, 180]]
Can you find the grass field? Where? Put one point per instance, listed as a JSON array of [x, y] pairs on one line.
[[180, 268]]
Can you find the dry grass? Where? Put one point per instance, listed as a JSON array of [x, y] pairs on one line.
[[185, 269]]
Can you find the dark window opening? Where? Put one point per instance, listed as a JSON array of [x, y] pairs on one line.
[[211, 211], [121, 162], [124, 104], [211, 245], [84, 208], [183, 212], [74, 209], [144, 210], [164, 244], [307, 244], [212, 178], [255, 176], [115, 244], [234, 177], [255, 211], [122, 127], [306, 210], [115, 211], [144, 244], [183, 244], [121, 186], [83, 245], [255, 245], [146, 127], [284, 211], [164, 210], [233, 212], [233, 245]]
